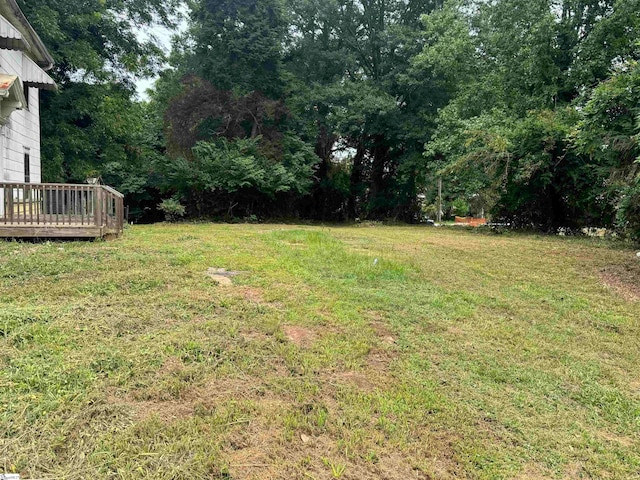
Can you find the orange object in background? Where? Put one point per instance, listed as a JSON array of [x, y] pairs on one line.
[[472, 222]]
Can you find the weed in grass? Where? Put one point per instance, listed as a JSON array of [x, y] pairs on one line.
[[337, 469]]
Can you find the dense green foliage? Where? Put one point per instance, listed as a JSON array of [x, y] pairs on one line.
[[608, 135], [543, 116], [93, 125], [342, 109]]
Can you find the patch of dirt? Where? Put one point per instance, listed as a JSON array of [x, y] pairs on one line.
[[612, 437], [375, 373], [359, 379], [624, 279], [252, 294], [574, 470], [634, 385], [531, 472], [269, 456], [381, 328], [383, 332], [228, 388], [167, 411], [378, 361], [395, 466], [170, 366], [490, 428], [455, 330], [196, 400], [254, 337], [299, 336], [255, 295], [260, 446]]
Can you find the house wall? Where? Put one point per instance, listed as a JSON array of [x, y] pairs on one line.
[[22, 131]]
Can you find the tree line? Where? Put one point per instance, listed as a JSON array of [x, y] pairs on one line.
[[528, 110]]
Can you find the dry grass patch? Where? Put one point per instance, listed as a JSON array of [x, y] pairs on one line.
[[623, 279], [383, 332], [299, 336], [252, 294]]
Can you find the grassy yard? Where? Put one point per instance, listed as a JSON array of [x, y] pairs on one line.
[[456, 354]]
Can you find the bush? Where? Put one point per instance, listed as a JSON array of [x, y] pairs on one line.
[[628, 215], [173, 210], [429, 211], [460, 207]]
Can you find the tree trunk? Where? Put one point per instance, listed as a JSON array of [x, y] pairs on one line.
[[356, 182], [323, 149], [380, 158]]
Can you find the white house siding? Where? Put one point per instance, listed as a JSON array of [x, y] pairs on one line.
[[22, 131]]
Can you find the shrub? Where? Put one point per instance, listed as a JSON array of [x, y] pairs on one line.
[[628, 215], [173, 210], [460, 207], [429, 211]]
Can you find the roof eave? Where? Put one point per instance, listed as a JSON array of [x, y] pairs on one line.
[[43, 57]]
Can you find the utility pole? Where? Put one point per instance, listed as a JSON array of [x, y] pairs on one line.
[[439, 213]]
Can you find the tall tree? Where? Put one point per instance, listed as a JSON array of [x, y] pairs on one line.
[[237, 44], [228, 124], [516, 95], [98, 53], [356, 56]]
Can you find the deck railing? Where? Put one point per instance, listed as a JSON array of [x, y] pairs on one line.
[[62, 205]]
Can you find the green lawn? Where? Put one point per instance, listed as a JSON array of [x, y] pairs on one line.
[[456, 354]]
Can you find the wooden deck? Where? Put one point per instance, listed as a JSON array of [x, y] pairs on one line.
[[49, 210]]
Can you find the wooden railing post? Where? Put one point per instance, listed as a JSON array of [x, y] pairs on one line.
[[10, 203], [122, 220], [5, 203], [98, 206]]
